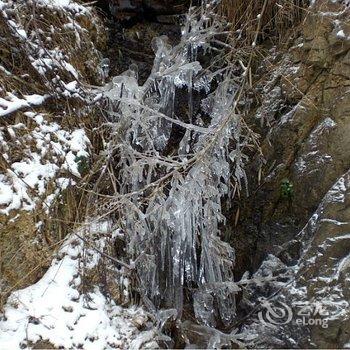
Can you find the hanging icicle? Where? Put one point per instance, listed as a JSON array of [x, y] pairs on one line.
[[170, 206]]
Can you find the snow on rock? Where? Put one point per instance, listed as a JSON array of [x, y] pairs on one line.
[[54, 309]]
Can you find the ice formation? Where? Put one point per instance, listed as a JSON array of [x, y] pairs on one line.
[[171, 205]]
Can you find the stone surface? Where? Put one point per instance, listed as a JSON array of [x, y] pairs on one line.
[[126, 9], [324, 268], [304, 118], [315, 290]]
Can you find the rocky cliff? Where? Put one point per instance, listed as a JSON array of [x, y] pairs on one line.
[[299, 208]]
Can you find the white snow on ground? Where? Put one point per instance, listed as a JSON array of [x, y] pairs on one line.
[[53, 309]]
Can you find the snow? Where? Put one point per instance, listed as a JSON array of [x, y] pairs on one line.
[[6, 194], [44, 64], [341, 34], [12, 103], [78, 139], [70, 164], [26, 181], [44, 59], [55, 310], [35, 99], [68, 5], [21, 33], [71, 89]]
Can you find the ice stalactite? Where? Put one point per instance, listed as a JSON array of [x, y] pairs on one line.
[[171, 205]]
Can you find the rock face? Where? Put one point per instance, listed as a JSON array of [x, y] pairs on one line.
[[325, 265], [316, 296], [306, 107], [124, 9]]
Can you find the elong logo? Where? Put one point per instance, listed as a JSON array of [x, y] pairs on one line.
[[305, 314]]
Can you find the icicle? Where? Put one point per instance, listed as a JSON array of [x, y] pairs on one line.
[[190, 96], [171, 212]]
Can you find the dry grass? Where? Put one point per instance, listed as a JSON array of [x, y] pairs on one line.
[[52, 31], [280, 16], [26, 251]]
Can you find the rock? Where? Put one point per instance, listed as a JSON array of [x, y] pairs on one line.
[[317, 294], [305, 104], [325, 264], [125, 9]]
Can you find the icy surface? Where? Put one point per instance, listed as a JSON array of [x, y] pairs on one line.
[[322, 272]]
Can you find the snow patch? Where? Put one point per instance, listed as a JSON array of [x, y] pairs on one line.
[[12, 103], [55, 310], [26, 181]]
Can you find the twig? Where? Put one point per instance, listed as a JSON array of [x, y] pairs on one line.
[[119, 262]]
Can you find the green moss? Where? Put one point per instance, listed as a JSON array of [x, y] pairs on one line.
[[286, 189], [83, 164]]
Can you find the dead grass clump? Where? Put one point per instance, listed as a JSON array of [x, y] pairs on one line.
[[29, 240], [280, 16], [55, 35], [23, 257]]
